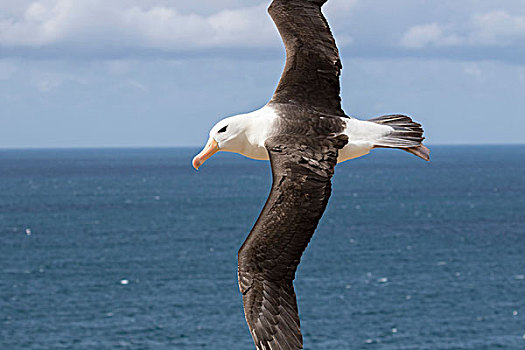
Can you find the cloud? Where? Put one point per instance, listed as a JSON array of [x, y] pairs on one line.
[[335, 9], [50, 79], [129, 26], [495, 28], [428, 34], [137, 85], [474, 70], [97, 23], [48, 84], [137, 29]]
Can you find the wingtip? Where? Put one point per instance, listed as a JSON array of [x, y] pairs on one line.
[[421, 151]]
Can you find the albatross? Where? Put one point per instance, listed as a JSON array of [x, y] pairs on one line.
[[304, 132]]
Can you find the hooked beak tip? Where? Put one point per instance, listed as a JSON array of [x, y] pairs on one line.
[[196, 163], [209, 150]]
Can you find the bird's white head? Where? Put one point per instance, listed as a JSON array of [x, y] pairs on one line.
[[227, 135]]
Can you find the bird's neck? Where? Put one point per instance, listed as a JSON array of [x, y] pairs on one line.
[[258, 126]]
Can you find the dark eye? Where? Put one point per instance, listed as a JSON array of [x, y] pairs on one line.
[[223, 129]]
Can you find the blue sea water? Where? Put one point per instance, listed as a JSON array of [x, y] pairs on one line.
[[133, 249]]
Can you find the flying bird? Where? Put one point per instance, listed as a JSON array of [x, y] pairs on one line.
[[304, 133]]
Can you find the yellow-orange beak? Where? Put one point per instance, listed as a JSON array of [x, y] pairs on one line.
[[209, 150]]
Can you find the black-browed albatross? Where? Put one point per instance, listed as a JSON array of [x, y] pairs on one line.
[[304, 133]]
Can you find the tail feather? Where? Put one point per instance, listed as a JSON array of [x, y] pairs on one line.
[[407, 135]]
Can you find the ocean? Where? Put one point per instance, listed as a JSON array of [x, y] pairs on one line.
[[133, 249]]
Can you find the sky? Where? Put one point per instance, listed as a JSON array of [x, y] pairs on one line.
[[160, 73]]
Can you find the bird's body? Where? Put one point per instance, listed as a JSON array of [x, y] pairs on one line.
[[304, 133], [259, 125]]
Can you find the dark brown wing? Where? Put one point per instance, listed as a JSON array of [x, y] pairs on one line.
[[312, 70], [302, 170]]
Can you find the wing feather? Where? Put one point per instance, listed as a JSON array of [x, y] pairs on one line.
[[313, 67], [270, 255]]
